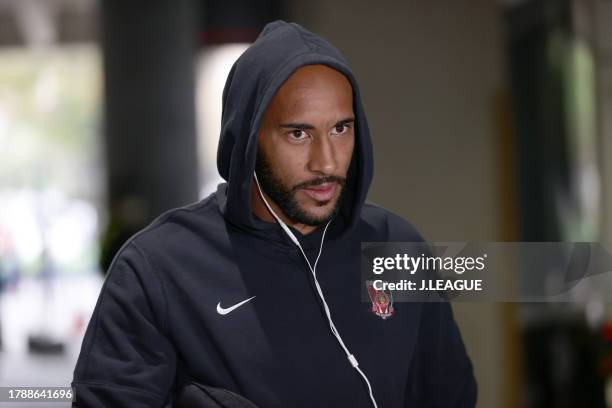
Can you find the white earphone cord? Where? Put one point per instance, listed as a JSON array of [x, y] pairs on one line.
[[334, 331]]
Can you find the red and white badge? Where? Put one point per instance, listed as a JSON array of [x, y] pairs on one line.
[[382, 302]]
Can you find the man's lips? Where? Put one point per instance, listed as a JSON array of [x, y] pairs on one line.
[[322, 192]]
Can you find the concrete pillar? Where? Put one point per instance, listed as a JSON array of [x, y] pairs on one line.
[[149, 118]]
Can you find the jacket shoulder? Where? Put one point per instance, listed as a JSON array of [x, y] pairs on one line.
[[204, 211], [179, 227], [388, 225]]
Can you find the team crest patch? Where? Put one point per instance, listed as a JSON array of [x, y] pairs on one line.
[[382, 302]]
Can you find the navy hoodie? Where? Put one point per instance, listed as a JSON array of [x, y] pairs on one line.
[[156, 325]]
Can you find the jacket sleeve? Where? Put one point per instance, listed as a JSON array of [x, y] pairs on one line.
[[441, 373], [126, 359]]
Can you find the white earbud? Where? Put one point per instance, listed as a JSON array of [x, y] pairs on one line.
[[334, 331]]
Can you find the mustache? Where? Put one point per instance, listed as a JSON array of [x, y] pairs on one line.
[[318, 181]]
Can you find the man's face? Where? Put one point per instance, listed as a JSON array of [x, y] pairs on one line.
[[305, 144]]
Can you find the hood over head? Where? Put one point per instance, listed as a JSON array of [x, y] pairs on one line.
[[254, 79]]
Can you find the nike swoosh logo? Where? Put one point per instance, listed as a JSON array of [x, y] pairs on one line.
[[223, 311]]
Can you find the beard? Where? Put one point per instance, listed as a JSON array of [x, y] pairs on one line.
[[284, 196]]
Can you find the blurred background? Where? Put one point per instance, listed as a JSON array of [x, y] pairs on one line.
[[491, 121]]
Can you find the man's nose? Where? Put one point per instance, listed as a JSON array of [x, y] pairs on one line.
[[322, 156]]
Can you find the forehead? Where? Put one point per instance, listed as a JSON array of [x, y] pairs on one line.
[[314, 90]]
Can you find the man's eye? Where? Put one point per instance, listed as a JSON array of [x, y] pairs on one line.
[[340, 129], [297, 134]]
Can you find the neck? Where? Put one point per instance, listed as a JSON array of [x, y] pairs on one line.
[[261, 211]]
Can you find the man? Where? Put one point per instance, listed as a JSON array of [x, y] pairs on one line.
[[256, 289]]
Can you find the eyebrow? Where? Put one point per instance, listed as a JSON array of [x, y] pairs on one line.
[[306, 126]]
